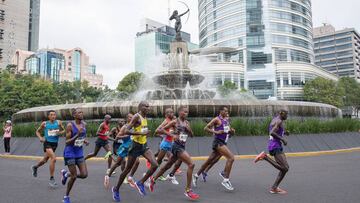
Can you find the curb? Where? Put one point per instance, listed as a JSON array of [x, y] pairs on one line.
[[204, 158]]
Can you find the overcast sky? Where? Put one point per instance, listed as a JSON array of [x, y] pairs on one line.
[[106, 29]]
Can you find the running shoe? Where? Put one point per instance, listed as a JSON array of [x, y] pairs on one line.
[[126, 181], [141, 188], [195, 179], [172, 179], [227, 184], [222, 174], [115, 195], [192, 195], [204, 176], [66, 199], [152, 184], [106, 182], [162, 178], [178, 172], [278, 191], [131, 181], [107, 155], [64, 176], [108, 172], [53, 183], [260, 157], [34, 171]]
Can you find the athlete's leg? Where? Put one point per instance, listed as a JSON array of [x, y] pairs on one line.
[[167, 166], [161, 156], [50, 153], [148, 155], [225, 151], [281, 160], [130, 162], [217, 159], [210, 160], [108, 149], [72, 176], [83, 170], [135, 167], [91, 155], [175, 168], [118, 163], [185, 157]]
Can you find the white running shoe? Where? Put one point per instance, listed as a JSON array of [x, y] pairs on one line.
[[195, 179], [227, 184], [172, 179], [106, 182]]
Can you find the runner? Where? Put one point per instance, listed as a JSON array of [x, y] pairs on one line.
[[102, 141], [74, 153], [7, 136], [181, 133], [138, 128], [122, 154], [277, 132], [117, 142], [51, 130], [220, 128], [166, 145]]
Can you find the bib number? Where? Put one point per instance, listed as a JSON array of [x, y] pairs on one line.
[[183, 137], [144, 130], [79, 142], [226, 129], [53, 133], [271, 137]]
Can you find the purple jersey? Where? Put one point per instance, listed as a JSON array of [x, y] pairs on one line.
[[275, 143], [224, 126], [75, 150]]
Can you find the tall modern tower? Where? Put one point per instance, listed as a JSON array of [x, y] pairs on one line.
[[19, 27], [273, 37]]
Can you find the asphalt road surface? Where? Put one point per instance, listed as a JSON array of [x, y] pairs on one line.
[[330, 178]]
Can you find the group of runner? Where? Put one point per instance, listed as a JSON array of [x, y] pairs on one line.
[[130, 142]]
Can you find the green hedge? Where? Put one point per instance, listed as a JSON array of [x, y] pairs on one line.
[[243, 127]]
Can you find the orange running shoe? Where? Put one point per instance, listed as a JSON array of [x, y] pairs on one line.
[[278, 191], [192, 195], [260, 157]]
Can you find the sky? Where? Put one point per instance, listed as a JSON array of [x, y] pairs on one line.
[[106, 29]]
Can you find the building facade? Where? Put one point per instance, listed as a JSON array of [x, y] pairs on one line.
[[153, 41], [19, 27], [338, 51], [58, 65], [272, 39]]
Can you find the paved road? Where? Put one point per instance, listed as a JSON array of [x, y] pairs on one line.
[[333, 178]]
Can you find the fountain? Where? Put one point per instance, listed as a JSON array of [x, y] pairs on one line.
[[179, 86]]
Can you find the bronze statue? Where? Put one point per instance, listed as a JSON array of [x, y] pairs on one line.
[[178, 24]]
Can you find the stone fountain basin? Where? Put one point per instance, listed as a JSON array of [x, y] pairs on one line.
[[178, 78], [197, 109]]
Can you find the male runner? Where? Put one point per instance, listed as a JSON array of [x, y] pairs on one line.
[[138, 128], [181, 133], [103, 133], [73, 152], [117, 142], [122, 153], [220, 128], [166, 144], [51, 130], [277, 132]]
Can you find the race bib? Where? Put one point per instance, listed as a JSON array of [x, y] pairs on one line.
[[226, 129], [53, 133], [183, 137], [227, 138], [144, 130], [120, 141], [79, 142], [271, 137]]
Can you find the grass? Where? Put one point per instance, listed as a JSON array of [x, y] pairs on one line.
[[243, 127]]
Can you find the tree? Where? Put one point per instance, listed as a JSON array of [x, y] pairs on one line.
[[324, 91], [131, 82], [351, 92], [227, 88]]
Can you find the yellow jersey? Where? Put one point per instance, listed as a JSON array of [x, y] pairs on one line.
[[143, 127]]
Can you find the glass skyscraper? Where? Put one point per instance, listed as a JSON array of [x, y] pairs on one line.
[[270, 34]]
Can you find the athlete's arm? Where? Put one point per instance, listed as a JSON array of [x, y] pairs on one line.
[[121, 134], [160, 130], [100, 129], [169, 125], [210, 127], [39, 130], [132, 123], [70, 140], [188, 129], [275, 135], [62, 129], [112, 132]]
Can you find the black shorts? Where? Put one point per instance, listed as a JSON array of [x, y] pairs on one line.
[[73, 161], [101, 143], [176, 149], [137, 149], [115, 147], [50, 145], [276, 151], [218, 143]]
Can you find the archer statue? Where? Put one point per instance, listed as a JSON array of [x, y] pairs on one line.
[[178, 24]]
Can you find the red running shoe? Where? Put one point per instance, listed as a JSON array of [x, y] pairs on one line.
[[192, 195], [278, 191], [260, 157]]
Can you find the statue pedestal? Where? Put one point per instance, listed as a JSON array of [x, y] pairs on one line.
[[179, 50]]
